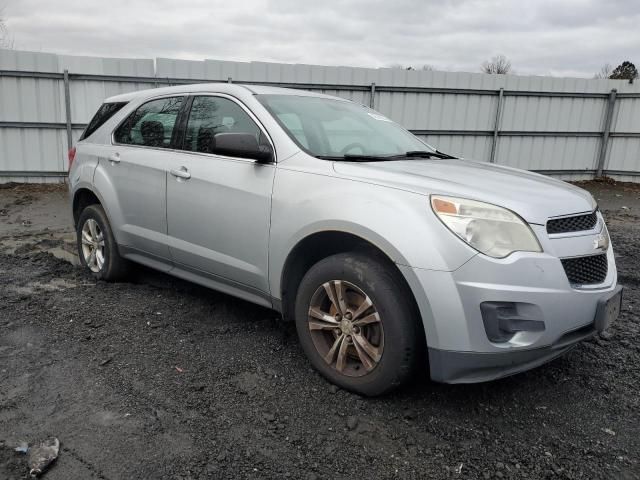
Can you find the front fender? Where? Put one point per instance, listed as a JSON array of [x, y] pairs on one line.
[[398, 222]]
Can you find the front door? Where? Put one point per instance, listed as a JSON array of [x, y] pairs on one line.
[[219, 207]]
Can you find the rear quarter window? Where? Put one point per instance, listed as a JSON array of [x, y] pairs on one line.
[[104, 113]]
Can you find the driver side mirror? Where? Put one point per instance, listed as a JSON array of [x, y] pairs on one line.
[[244, 145]]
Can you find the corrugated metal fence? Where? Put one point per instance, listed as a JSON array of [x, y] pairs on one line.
[[573, 128]]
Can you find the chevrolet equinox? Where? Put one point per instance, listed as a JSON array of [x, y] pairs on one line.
[[388, 254]]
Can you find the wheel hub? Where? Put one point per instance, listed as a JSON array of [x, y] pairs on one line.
[[346, 327]]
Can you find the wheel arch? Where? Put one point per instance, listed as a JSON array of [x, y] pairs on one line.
[[86, 195], [82, 198], [322, 244], [319, 245]]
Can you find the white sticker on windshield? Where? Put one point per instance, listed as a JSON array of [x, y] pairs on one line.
[[378, 117]]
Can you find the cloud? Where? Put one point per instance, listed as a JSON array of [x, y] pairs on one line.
[[572, 37]]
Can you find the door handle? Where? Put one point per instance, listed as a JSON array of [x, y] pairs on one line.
[[181, 173], [115, 158]]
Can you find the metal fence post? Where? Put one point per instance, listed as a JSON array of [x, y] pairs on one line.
[[372, 100], [606, 131], [67, 109], [496, 127]]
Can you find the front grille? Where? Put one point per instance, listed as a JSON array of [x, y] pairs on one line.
[[586, 270], [576, 223]]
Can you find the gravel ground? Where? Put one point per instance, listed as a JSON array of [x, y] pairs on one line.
[[158, 378]]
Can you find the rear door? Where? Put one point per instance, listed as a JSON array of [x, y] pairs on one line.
[[219, 207], [137, 169]]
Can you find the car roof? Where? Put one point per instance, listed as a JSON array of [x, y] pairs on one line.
[[228, 88]]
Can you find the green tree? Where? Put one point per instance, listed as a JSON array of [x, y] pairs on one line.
[[625, 71]]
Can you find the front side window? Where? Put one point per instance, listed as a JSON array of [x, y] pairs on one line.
[[330, 128], [151, 124], [211, 116]]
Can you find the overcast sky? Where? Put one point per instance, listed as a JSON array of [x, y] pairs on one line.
[[545, 37]]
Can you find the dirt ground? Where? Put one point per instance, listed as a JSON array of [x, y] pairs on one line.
[[158, 378]]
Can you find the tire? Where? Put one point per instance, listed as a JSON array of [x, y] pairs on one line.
[[112, 267], [394, 334]]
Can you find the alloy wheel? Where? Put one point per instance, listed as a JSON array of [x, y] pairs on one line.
[[93, 245], [345, 328]]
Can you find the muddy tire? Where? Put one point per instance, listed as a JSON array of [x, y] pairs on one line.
[[97, 246], [357, 324]]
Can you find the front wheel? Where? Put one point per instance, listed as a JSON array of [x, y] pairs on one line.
[[97, 246], [357, 324]]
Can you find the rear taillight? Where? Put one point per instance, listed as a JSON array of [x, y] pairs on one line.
[[72, 156]]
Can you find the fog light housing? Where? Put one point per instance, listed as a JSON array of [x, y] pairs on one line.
[[503, 320]]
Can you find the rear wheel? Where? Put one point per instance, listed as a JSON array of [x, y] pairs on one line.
[[356, 323], [97, 247]]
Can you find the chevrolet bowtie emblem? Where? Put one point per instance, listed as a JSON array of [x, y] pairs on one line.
[[601, 242]]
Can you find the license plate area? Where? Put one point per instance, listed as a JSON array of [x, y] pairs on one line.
[[608, 309]]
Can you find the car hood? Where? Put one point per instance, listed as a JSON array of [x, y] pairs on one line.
[[532, 196]]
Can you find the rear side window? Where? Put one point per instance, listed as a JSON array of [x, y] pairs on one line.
[[213, 115], [151, 124], [104, 113]]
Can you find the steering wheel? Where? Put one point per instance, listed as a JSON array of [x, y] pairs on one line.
[[353, 145]]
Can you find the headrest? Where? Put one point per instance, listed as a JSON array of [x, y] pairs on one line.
[[206, 140], [152, 133]]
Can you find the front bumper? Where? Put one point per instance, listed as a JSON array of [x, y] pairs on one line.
[[471, 367], [460, 350]]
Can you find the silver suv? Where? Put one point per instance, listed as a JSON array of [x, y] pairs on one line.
[[388, 254]]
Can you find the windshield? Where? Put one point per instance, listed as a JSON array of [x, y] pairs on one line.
[[333, 129]]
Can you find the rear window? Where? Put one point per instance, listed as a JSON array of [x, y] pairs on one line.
[[104, 113]]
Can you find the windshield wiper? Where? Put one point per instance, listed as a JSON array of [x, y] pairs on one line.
[[357, 158], [425, 154], [361, 157]]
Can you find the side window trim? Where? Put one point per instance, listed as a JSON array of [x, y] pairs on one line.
[[132, 112], [240, 104], [180, 127]]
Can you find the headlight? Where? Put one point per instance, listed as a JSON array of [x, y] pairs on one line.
[[492, 230]]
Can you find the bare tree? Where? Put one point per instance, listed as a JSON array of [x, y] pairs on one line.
[[427, 68], [3, 30], [605, 71], [5, 39], [498, 65]]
